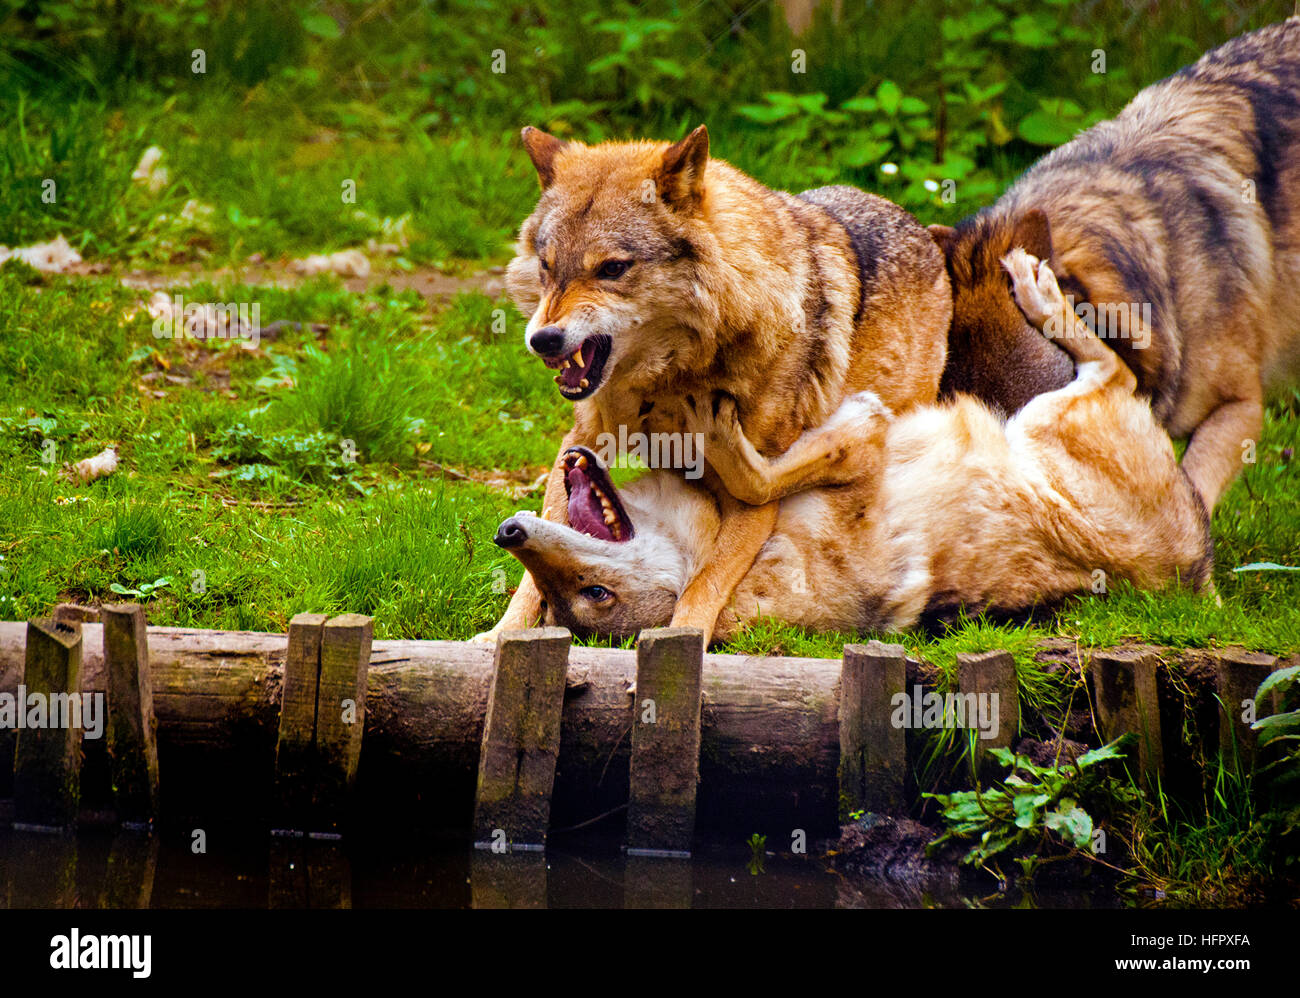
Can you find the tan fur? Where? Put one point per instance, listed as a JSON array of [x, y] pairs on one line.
[[735, 290], [964, 511]]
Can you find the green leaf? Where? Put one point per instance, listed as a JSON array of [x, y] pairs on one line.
[[320, 25], [1072, 823], [1043, 129], [867, 104], [1280, 678], [889, 95]]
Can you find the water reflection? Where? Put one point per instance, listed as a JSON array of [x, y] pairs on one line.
[[133, 870]]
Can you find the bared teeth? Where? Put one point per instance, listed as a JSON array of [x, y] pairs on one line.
[[577, 356], [581, 462], [618, 534], [566, 365], [583, 383]]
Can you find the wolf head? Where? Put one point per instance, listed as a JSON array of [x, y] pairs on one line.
[[993, 351], [623, 559], [607, 266]]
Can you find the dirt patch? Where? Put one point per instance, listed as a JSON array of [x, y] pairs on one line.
[[430, 282]]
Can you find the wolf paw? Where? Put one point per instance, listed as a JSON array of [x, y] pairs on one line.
[[715, 418], [1035, 289]]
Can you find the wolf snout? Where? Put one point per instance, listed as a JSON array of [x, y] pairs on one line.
[[547, 341], [510, 534]]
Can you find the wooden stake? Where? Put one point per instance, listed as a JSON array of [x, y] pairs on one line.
[[1238, 675], [340, 715], [1124, 684], [873, 751], [47, 759], [521, 739], [665, 742], [295, 747], [132, 729]]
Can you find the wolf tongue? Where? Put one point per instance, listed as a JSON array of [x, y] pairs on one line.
[[572, 375], [585, 512]]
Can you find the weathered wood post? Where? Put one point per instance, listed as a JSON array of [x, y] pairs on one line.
[[340, 716], [521, 740], [665, 742], [873, 749], [322, 719], [132, 729], [991, 702], [1238, 674], [47, 756], [295, 746], [1124, 686]]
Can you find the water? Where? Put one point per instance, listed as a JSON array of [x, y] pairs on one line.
[[96, 869]]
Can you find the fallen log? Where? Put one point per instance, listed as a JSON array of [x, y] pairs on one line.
[[768, 759]]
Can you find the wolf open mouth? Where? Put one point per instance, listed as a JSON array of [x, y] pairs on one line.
[[594, 506], [581, 371]]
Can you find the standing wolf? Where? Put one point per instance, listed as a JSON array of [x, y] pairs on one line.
[[652, 273], [1175, 229]]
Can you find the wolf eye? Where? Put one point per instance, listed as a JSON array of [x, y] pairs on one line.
[[598, 594], [611, 270]]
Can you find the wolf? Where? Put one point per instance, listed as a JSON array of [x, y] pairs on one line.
[[652, 273], [964, 510], [1175, 228]]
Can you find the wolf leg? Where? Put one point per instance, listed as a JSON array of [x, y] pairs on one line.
[[742, 534], [1217, 451], [1039, 297], [838, 452]]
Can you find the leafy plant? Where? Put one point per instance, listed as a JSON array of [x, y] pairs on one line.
[[1024, 809], [1281, 733], [144, 590]]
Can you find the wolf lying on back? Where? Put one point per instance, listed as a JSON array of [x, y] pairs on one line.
[[1177, 224], [967, 511]]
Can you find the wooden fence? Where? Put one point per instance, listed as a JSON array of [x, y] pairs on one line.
[[270, 727]]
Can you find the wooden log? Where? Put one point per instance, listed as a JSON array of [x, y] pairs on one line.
[[132, 728], [665, 742], [769, 752], [521, 738], [47, 757], [1124, 688], [1238, 674], [873, 750]]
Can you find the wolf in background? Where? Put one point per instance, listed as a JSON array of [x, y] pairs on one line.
[[1186, 205]]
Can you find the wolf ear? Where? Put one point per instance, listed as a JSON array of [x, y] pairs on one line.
[[681, 173], [541, 150], [1033, 234], [942, 234]]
